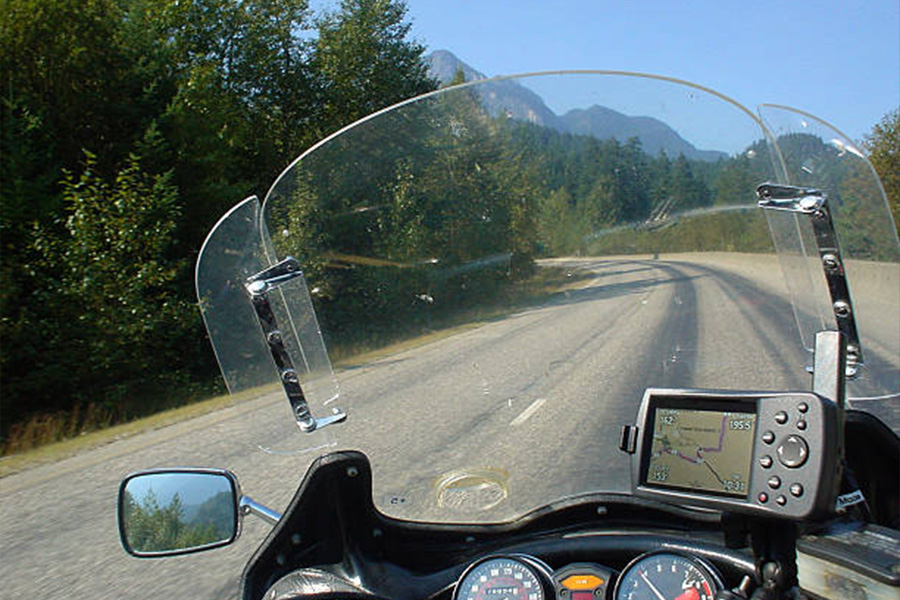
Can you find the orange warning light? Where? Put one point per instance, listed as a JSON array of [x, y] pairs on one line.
[[582, 582]]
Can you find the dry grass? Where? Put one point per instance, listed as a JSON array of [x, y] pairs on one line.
[[57, 450], [45, 429]]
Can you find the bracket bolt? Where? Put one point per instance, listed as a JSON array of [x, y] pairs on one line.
[[809, 203], [830, 261], [257, 288], [842, 309]]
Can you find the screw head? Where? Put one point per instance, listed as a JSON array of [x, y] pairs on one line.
[[842, 309]]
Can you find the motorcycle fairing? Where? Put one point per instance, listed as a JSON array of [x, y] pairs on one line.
[[332, 524]]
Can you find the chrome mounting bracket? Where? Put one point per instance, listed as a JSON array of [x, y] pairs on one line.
[[258, 287], [814, 203]]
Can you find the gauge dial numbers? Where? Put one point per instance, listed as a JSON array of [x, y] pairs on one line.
[[503, 578], [667, 576]]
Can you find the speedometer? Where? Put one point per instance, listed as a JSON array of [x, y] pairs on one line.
[[667, 576], [503, 578]]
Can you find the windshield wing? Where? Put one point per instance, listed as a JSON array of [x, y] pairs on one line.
[[233, 252], [814, 154]]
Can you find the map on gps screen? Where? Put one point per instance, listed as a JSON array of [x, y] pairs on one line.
[[702, 450]]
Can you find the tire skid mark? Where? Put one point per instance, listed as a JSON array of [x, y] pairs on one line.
[[776, 312]]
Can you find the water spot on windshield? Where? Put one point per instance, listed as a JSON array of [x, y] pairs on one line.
[[472, 490]]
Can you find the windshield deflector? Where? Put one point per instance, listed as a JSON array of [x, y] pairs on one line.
[[814, 154], [232, 254]]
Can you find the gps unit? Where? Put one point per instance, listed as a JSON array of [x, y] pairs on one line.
[[750, 452]]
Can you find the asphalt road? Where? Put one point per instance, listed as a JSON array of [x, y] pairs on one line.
[[480, 425]]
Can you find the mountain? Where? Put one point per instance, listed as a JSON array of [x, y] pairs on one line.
[[655, 135], [443, 66], [518, 102]]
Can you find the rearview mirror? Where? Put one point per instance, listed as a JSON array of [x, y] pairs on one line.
[[176, 511]]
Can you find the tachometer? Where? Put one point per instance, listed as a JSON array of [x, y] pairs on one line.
[[503, 578], [667, 576]]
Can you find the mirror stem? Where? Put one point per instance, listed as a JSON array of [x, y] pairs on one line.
[[248, 506]]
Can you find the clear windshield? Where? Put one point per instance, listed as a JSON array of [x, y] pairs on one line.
[[498, 280]]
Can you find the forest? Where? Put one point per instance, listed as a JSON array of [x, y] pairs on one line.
[[154, 527], [130, 126]]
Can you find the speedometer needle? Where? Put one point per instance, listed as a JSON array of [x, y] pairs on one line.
[[652, 587]]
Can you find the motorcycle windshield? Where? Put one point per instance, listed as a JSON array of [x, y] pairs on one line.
[[500, 269]]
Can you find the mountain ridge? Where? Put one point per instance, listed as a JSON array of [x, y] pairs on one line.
[[519, 102]]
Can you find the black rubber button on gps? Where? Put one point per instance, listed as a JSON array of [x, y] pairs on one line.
[[768, 437], [766, 461], [796, 490], [793, 451], [781, 417]]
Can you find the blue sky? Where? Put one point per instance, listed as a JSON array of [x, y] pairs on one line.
[[837, 60]]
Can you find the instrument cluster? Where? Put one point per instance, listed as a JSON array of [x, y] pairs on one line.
[[651, 576]]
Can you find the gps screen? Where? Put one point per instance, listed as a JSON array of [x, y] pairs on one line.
[[707, 451]]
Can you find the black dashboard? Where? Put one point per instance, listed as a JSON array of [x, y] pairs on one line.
[[348, 549]]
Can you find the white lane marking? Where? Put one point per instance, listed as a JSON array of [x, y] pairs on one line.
[[526, 414]]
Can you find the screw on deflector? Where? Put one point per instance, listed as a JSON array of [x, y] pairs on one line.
[[810, 203], [841, 309], [275, 337], [257, 288], [831, 261]]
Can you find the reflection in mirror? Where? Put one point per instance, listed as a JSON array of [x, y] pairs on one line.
[[172, 512]]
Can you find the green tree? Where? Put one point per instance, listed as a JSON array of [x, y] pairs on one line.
[[106, 300], [883, 146], [365, 60], [557, 223], [217, 94]]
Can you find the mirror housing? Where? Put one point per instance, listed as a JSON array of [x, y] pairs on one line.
[[164, 512]]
